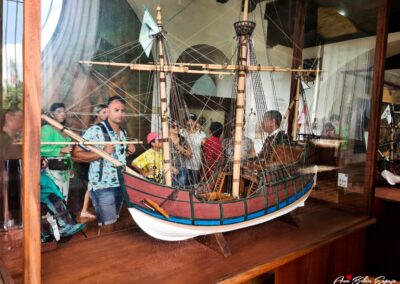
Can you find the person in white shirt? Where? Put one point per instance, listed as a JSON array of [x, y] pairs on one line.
[[193, 136]]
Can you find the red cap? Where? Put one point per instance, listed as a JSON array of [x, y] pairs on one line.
[[152, 136]]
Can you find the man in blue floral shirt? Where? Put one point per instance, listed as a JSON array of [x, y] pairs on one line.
[[104, 184]]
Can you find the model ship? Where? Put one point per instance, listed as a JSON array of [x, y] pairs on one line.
[[241, 191], [388, 163]]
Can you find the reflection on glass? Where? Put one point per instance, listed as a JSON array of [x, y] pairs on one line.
[[11, 116], [338, 99]]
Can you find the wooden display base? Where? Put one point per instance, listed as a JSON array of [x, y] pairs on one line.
[[255, 251], [216, 242]]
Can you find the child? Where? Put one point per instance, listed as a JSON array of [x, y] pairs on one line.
[[149, 163], [212, 149]]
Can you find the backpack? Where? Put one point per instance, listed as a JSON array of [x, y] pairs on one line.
[[57, 222], [107, 138]]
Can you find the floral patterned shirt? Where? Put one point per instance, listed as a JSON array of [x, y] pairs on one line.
[[108, 176], [151, 160]]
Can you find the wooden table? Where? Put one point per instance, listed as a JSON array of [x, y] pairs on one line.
[[388, 193]]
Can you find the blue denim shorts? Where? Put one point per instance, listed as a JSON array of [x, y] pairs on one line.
[[181, 178], [108, 203]]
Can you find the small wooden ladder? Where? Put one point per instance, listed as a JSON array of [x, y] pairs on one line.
[[220, 182], [252, 188]]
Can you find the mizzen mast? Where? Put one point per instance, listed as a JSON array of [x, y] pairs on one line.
[[163, 99], [295, 122], [244, 30]]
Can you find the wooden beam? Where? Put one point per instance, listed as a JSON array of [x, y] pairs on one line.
[[31, 142], [82, 141], [297, 59], [1, 92], [376, 99], [192, 68], [1, 67]]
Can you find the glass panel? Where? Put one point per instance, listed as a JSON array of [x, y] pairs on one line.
[[341, 100], [74, 93], [335, 105], [11, 115], [388, 149]]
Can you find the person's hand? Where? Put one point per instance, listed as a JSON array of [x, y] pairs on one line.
[[131, 149], [174, 171], [66, 150], [176, 143], [44, 163], [150, 172], [109, 149]]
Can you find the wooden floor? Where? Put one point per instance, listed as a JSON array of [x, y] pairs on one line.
[[126, 254]]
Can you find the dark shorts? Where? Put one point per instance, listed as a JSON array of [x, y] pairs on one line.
[[108, 203], [193, 176]]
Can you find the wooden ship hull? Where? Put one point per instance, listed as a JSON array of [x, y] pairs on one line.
[[191, 215]]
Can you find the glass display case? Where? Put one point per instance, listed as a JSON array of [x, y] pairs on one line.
[[319, 69], [338, 96]]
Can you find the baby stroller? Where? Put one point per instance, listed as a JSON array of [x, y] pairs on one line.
[[57, 223]]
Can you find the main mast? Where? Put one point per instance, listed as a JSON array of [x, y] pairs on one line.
[[243, 29], [163, 98]]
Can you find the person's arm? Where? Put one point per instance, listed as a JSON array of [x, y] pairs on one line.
[[93, 134], [184, 150], [251, 152], [140, 164], [183, 147], [136, 168], [81, 155], [130, 149]]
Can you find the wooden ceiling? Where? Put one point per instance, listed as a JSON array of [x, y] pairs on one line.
[[327, 21]]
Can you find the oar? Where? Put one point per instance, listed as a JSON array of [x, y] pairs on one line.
[[88, 143], [155, 206], [79, 139]]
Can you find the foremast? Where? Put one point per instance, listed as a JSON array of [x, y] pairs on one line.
[[243, 29], [163, 99]]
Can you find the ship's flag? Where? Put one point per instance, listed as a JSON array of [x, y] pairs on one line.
[[302, 119], [148, 29], [386, 114]]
